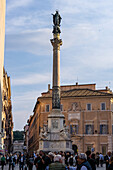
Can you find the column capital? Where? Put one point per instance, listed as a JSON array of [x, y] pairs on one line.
[[56, 43]]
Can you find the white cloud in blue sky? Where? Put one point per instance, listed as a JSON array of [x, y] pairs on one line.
[[86, 53]]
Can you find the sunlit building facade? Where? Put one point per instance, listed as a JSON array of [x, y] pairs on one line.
[[7, 118], [88, 114], [2, 42]]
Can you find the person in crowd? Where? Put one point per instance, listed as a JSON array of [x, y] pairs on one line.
[[48, 160], [83, 164], [88, 153], [70, 160], [21, 161], [106, 159], [110, 166], [11, 162], [31, 162], [97, 159], [91, 159], [35, 155], [63, 158], [3, 161], [57, 163], [51, 156], [71, 163], [15, 157], [18, 157], [14, 160], [75, 158], [40, 162], [93, 165], [27, 160], [101, 159], [67, 155], [7, 158]]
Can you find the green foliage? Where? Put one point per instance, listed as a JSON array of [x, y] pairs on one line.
[[18, 135]]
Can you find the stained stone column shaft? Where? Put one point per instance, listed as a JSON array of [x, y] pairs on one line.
[[56, 43]]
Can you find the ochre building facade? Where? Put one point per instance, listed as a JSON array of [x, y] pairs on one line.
[[7, 118], [2, 42], [88, 114]]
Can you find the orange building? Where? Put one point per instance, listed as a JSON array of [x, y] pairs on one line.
[[88, 114], [7, 118]]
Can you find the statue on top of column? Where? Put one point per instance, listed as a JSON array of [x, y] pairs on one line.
[[56, 21]]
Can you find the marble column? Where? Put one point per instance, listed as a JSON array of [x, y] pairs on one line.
[[56, 43]]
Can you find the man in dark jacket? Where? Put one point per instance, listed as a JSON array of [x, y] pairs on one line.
[[21, 161], [91, 159], [82, 162], [110, 166], [107, 158]]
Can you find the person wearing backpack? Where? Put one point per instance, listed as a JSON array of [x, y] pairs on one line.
[[70, 160], [83, 164]]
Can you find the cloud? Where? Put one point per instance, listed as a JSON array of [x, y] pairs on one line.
[[12, 4], [36, 42], [23, 104], [31, 79]]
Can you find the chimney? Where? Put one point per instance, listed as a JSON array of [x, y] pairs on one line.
[[48, 87], [107, 88]]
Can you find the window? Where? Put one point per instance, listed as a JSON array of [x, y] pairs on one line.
[[89, 129], [89, 147], [103, 129], [104, 149], [88, 106], [103, 106], [47, 108], [61, 107], [74, 129]]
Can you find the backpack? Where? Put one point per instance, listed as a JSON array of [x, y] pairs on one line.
[[71, 161], [86, 164]]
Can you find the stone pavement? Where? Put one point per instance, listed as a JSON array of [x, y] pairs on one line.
[[102, 168], [17, 168]]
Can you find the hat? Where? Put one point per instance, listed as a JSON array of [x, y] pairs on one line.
[[82, 156], [57, 158], [51, 154]]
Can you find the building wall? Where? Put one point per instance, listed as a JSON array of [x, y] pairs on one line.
[[18, 146], [26, 134], [7, 118], [2, 39], [77, 116]]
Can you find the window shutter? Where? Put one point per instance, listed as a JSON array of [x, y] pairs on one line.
[[86, 129], [71, 129], [100, 129], [77, 129], [92, 129], [107, 132]]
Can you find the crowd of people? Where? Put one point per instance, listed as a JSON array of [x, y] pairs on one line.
[[58, 161]]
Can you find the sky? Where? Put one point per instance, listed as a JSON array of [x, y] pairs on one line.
[[86, 55]]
